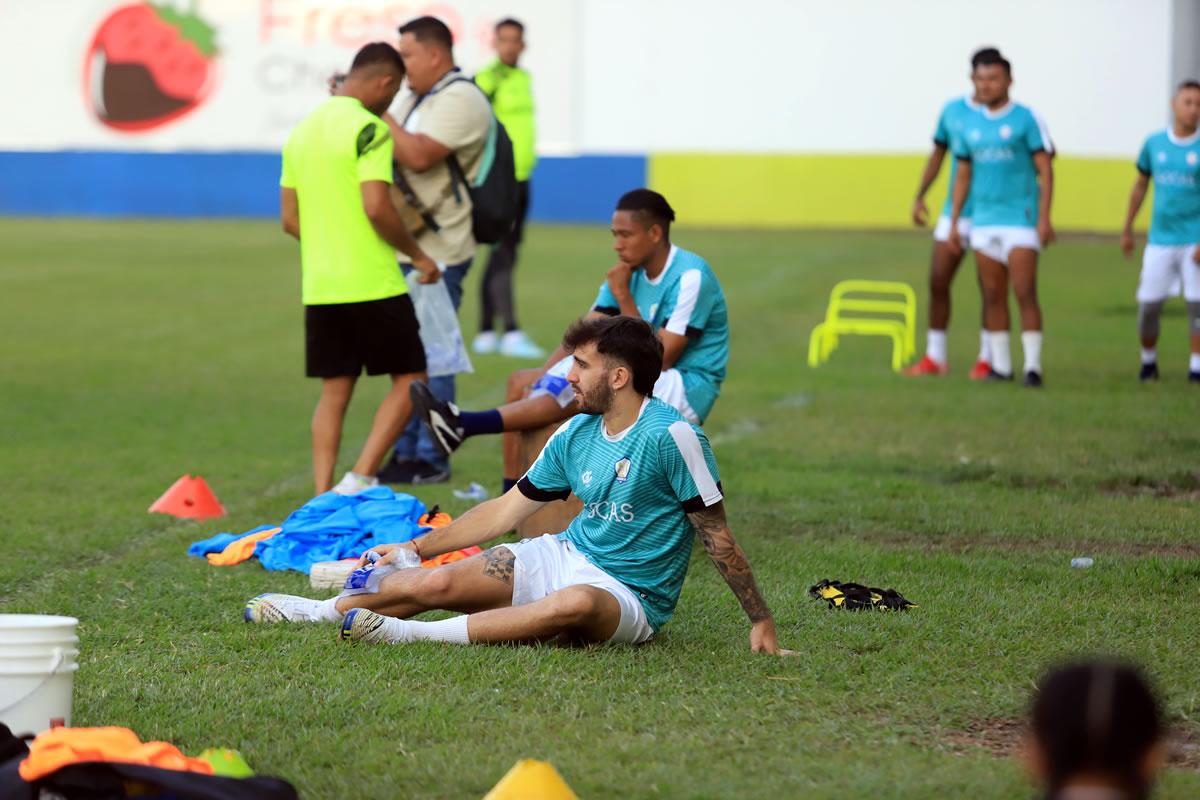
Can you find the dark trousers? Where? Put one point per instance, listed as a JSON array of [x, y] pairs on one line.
[[496, 288]]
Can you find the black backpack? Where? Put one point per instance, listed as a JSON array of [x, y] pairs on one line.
[[495, 202]]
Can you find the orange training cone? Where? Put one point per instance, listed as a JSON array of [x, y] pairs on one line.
[[189, 498], [530, 779]]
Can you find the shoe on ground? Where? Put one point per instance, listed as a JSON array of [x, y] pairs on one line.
[[271, 608], [517, 344], [485, 343], [1193, 376], [997, 377], [424, 472], [396, 470], [1149, 372], [980, 371], [440, 416], [1033, 380], [353, 483], [927, 366], [363, 625]]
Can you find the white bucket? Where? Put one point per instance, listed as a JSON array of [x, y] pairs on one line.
[[37, 671]]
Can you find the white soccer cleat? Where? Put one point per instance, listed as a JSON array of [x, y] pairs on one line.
[[353, 483], [271, 608], [361, 625], [517, 344]]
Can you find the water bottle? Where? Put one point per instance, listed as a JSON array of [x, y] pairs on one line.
[[366, 580], [1082, 563]]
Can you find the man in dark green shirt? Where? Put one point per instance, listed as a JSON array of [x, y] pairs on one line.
[[511, 93]]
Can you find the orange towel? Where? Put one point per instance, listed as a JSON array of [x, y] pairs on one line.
[[452, 556], [241, 549], [61, 747]]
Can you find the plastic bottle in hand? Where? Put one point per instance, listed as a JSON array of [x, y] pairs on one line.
[[366, 580]]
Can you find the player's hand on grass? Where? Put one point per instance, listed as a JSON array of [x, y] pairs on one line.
[[1046, 232], [762, 639], [618, 279], [1127, 243], [920, 212], [430, 273]]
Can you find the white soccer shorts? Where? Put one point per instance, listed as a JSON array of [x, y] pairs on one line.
[[941, 231], [1165, 268], [548, 563], [998, 241]]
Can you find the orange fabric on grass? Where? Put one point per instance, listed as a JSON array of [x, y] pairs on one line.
[[62, 747], [241, 549], [452, 556]]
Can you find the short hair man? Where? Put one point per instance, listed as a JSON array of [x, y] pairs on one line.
[[647, 478], [510, 90], [675, 290], [337, 167], [944, 262], [444, 120], [1006, 167], [1171, 158]]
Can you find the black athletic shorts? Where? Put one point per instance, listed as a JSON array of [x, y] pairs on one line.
[[380, 335]]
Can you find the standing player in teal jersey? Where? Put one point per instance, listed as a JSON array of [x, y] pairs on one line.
[[1171, 158], [671, 288], [1005, 167], [648, 481], [944, 262]]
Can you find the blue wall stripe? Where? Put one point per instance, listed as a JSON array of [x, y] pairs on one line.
[[246, 184]]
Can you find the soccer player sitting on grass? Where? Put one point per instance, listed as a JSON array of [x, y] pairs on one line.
[[647, 479], [1171, 158], [671, 288]]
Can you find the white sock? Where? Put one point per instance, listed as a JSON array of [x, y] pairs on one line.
[[1001, 358], [1149, 355], [326, 611], [985, 347], [1194, 363], [451, 631], [935, 346], [1031, 343]]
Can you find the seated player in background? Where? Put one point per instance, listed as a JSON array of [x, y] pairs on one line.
[[944, 262], [647, 479], [1171, 158], [671, 288], [1096, 734], [1005, 167]]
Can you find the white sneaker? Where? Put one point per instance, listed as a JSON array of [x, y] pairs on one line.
[[516, 344], [353, 483], [361, 625], [485, 343], [268, 608]]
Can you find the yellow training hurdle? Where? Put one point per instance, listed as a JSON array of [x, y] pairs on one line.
[[894, 306]]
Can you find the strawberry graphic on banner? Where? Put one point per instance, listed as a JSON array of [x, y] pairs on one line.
[[148, 65]]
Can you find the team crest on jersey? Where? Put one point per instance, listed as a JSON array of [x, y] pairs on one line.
[[1191, 158], [622, 469], [1005, 132], [586, 477]]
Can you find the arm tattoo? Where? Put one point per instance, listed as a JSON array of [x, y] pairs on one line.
[[729, 559], [498, 563]]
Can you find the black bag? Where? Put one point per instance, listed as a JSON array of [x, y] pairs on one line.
[[495, 200]]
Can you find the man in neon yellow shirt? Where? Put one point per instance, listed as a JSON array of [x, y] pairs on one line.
[[337, 166], [511, 92]]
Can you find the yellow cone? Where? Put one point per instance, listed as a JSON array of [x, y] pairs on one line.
[[531, 780]]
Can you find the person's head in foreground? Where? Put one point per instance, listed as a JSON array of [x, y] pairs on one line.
[[509, 41], [641, 225], [1186, 105], [992, 75], [374, 78], [1096, 733], [616, 359], [427, 47]]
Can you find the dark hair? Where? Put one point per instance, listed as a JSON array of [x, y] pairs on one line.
[[509, 22], [1096, 717], [429, 29], [626, 339], [377, 54], [649, 208], [984, 53], [989, 57], [1188, 84]]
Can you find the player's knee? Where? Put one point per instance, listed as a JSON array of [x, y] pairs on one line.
[[1150, 316], [1026, 297], [434, 586], [575, 605], [518, 382]]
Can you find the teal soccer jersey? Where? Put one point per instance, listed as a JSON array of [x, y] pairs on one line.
[[637, 489], [950, 126], [1174, 166], [685, 299], [1000, 146]]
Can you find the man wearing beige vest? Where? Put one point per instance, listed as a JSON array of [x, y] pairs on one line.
[[439, 129]]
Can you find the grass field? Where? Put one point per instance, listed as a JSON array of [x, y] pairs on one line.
[[132, 353]]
